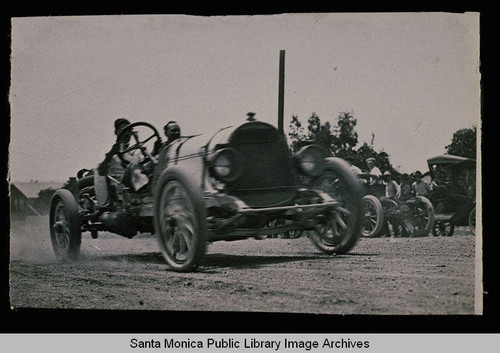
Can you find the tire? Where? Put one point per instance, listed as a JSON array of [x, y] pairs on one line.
[[180, 221], [373, 216], [341, 230], [64, 221], [423, 221], [443, 229], [472, 221]]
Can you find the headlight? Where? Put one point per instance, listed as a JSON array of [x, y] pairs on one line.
[[225, 165], [310, 159]]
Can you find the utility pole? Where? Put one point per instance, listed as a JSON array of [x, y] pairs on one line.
[[281, 92]]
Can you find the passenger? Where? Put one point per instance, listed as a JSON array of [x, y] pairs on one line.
[[420, 187], [172, 131]]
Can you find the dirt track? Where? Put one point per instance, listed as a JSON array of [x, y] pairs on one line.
[[380, 276]]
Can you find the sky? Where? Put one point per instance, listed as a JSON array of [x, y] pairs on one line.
[[411, 79]]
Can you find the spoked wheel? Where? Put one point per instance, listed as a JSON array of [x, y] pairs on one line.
[[472, 221], [180, 222], [64, 221], [373, 216], [341, 228], [422, 217], [443, 229]]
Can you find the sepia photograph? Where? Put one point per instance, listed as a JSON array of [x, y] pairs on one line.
[[297, 163]]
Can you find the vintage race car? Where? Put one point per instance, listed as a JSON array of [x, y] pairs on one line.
[[242, 182]]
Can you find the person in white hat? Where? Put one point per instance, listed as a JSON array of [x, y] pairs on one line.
[[392, 190], [374, 171]]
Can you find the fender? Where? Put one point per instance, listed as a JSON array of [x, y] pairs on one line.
[[335, 164], [185, 156]]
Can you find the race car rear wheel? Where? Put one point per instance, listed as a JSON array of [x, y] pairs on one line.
[[64, 221], [180, 221], [342, 227], [373, 216]]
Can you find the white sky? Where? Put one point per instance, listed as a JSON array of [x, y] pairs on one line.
[[412, 79]]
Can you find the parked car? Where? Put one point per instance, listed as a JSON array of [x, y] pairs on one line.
[[453, 193], [228, 186]]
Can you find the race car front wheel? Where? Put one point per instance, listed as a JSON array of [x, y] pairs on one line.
[[180, 221], [341, 229]]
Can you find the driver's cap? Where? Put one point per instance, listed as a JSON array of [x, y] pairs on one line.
[[119, 122]]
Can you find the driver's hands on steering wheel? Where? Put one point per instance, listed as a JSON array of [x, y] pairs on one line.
[[140, 145]]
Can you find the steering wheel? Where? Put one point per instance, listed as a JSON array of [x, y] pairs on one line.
[[128, 132]]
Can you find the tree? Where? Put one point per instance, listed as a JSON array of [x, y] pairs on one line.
[[316, 132], [339, 140], [463, 143], [345, 136], [297, 135]]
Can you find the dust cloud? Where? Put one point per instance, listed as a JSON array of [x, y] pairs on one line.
[[30, 241]]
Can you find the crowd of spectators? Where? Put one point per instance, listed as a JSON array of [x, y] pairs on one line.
[[401, 187]]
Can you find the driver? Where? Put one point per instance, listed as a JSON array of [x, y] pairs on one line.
[[112, 164]]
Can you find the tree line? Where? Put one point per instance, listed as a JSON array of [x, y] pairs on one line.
[[341, 140]]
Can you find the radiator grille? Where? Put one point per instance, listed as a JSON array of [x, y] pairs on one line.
[[268, 176]]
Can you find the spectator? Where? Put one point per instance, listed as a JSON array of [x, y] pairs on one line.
[[405, 192], [392, 190], [420, 187], [373, 170]]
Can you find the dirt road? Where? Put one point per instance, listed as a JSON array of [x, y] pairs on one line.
[[430, 275]]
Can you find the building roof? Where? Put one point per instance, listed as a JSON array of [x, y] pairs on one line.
[[31, 190]]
